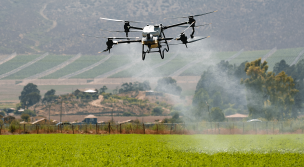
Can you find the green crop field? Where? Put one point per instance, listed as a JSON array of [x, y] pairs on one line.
[[112, 63], [40, 66], [82, 62], [16, 62], [249, 56], [152, 150], [288, 55], [213, 59], [151, 60]]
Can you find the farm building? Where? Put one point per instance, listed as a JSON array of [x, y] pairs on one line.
[[152, 93], [88, 90], [236, 117], [90, 119]]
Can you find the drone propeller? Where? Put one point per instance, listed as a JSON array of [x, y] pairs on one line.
[[179, 35], [122, 31], [111, 37], [192, 15], [120, 20], [200, 38]]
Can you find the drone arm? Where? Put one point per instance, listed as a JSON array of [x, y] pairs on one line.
[[175, 25], [137, 28], [130, 41]]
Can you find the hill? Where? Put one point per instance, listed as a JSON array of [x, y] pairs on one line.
[[56, 26]]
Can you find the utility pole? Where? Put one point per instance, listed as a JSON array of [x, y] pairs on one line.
[[60, 109]]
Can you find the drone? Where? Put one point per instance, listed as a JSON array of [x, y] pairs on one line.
[[153, 36]]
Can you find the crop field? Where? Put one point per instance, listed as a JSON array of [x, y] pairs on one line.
[[82, 62], [151, 150], [40, 66], [151, 60], [213, 59], [288, 55], [16, 62], [112, 63], [249, 56], [171, 66]]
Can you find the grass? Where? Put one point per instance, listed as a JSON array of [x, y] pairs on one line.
[[152, 150], [7, 105]]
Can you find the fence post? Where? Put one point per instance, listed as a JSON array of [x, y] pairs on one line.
[[218, 127], [96, 129], [267, 126], [144, 128], [120, 128], [73, 128], [24, 128], [256, 130], [109, 127], [170, 128], [37, 127], [157, 128], [273, 128], [0, 129], [243, 127], [175, 127], [19, 129], [116, 128], [61, 128]]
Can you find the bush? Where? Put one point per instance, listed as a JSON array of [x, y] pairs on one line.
[[25, 117], [29, 112], [126, 114], [217, 115], [157, 111]]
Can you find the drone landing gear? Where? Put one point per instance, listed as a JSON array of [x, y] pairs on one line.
[[143, 55]]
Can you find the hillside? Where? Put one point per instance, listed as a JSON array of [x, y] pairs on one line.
[[56, 26]]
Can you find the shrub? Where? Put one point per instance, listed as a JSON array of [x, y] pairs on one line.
[[126, 114], [157, 111]]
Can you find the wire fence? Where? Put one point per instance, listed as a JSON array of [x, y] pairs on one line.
[[286, 127]]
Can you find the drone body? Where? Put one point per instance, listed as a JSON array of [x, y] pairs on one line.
[[153, 36]]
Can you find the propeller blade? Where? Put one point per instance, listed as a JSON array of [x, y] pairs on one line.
[[175, 38], [192, 15], [198, 39], [120, 20], [122, 37], [204, 13], [122, 31]]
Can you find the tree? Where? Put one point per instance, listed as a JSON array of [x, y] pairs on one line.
[[265, 88], [29, 112], [103, 89], [50, 96], [168, 85], [25, 117], [30, 95], [217, 115], [157, 111], [2, 113]]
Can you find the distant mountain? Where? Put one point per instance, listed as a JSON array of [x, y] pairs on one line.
[[56, 26]]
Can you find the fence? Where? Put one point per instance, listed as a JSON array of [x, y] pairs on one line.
[[286, 127]]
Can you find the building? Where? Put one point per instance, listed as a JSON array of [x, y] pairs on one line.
[[88, 90], [152, 93], [236, 117], [90, 119]]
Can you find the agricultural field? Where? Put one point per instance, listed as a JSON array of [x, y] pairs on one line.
[[112, 63], [40, 66], [16, 62], [249, 56], [82, 62], [171, 66], [288, 55], [151, 150], [213, 59], [151, 60]]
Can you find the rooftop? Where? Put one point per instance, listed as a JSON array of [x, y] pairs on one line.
[[237, 115]]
